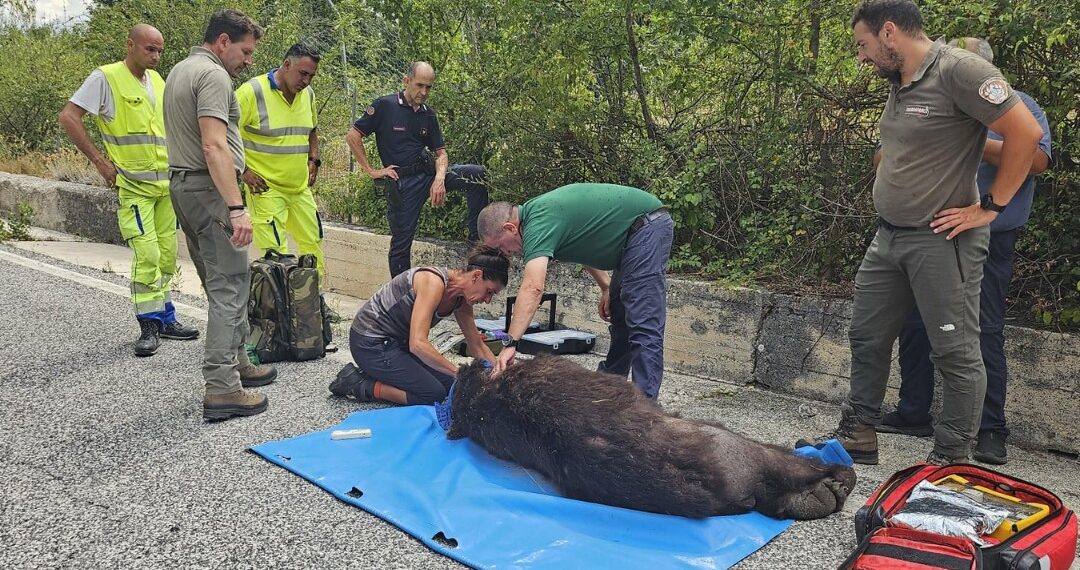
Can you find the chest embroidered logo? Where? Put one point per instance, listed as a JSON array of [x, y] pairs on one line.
[[995, 90], [917, 110]]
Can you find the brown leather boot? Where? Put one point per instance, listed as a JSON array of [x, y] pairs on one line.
[[858, 439], [252, 376], [240, 403]]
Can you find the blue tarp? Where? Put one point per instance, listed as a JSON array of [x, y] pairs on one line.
[[495, 514]]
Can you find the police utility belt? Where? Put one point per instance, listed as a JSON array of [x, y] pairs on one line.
[[425, 164], [390, 187]]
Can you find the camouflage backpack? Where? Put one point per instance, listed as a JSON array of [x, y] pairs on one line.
[[285, 309]]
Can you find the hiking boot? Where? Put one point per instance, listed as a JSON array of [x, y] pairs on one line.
[[217, 407], [149, 339], [252, 376], [355, 383], [858, 439], [942, 460], [991, 448], [893, 422], [177, 331]]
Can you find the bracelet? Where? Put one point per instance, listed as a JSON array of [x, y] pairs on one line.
[[241, 213]]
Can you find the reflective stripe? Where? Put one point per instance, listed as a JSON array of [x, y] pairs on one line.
[[274, 149], [133, 139], [137, 287], [281, 132], [264, 117], [146, 176]]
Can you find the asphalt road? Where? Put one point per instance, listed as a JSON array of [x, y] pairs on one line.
[[105, 460]]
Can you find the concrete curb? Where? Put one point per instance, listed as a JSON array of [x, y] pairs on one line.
[[790, 344]]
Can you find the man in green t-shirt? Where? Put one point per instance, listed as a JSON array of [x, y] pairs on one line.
[[604, 227]]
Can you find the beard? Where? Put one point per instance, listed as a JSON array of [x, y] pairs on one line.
[[892, 64]]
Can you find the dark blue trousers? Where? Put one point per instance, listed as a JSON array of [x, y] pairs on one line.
[[388, 362], [916, 370], [415, 190], [638, 306]]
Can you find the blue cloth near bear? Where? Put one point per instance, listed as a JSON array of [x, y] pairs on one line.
[[489, 513]]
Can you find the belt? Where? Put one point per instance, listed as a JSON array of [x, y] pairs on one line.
[[410, 170], [185, 174], [881, 222], [644, 219]]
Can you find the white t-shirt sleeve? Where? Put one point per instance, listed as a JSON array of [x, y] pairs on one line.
[[95, 97]]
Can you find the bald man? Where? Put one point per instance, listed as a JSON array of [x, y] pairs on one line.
[[126, 99], [415, 165]]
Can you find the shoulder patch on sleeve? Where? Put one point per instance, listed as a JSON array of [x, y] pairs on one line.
[[995, 90], [370, 110]]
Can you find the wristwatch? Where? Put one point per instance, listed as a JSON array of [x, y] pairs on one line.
[[510, 342], [987, 203], [318, 163]]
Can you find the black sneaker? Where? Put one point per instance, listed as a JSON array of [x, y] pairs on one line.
[[942, 460], [991, 448], [893, 422], [353, 382], [149, 339], [177, 331]]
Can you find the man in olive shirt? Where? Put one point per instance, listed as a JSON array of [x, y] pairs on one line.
[[603, 227], [206, 157], [932, 241]]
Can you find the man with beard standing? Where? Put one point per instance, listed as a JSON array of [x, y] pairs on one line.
[[206, 158], [933, 231]]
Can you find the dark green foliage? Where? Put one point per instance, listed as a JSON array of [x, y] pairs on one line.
[[750, 120]]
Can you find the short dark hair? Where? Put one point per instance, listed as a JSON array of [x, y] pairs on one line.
[[491, 261], [232, 22], [874, 13], [301, 50]]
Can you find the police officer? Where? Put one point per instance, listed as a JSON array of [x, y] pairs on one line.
[[126, 100], [414, 162], [278, 122]]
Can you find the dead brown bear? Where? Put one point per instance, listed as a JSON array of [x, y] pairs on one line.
[[598, 439]]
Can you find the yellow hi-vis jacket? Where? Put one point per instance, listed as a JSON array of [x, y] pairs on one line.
[[275, 132], [135, 138]]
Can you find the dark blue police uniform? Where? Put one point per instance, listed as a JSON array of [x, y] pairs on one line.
[[401, 136]]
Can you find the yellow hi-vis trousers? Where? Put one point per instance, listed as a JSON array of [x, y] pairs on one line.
[[275, 214], [148, 224]]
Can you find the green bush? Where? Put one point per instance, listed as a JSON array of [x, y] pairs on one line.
[[752, 121]]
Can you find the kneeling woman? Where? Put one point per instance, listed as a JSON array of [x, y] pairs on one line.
[[389, 336]]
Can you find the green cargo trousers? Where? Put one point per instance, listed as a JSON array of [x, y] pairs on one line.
[[223, 271], [914, 266]]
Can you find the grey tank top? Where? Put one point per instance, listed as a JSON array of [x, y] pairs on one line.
[[388, 312]]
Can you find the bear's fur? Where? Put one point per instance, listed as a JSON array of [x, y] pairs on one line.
[[599, 439]]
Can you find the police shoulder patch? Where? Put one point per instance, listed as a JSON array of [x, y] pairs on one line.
[[995, 90], [370, 110]]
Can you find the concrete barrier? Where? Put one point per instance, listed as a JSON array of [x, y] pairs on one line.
[[789, 344]]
